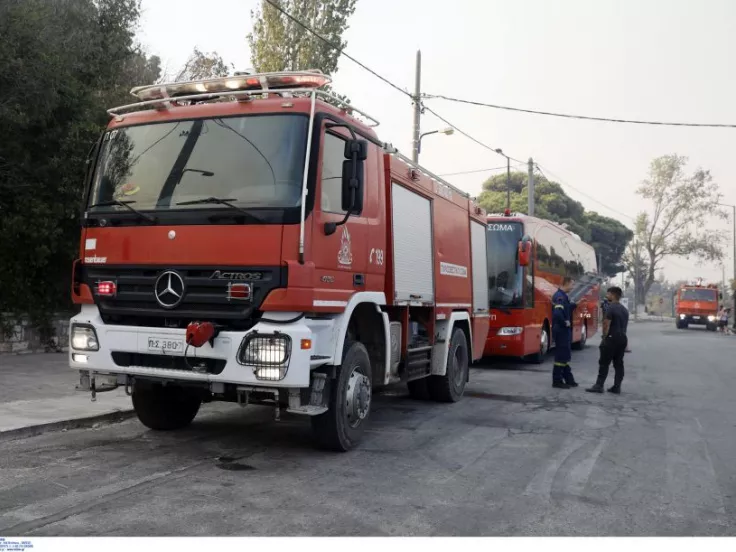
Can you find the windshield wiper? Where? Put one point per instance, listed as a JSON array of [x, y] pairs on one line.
[[125, 204], [221, 201]]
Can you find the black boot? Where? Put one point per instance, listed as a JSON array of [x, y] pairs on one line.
[[560, 385], [615, 389], [567, 377], [597, 386]]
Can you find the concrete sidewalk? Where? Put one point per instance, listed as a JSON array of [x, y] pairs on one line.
[[37, 394]]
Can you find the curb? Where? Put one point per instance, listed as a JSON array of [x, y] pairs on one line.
[[76, 423]]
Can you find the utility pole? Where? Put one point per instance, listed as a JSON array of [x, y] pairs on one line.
[[508, 182], [530, 210], [417, 106], [636, 280]]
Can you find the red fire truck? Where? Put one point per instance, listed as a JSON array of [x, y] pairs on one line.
[[245, 240], [697, 304], [527, 259]]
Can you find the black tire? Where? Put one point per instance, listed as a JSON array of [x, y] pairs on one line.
[[165, 408], [450, 387], [335, 429], [711, 327], [538, 357], [419, 389], [580, 345]]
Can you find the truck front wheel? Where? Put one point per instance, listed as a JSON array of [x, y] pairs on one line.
[[165, 408], [450, 387], [341, 427]]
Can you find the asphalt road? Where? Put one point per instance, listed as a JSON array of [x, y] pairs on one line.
[[515, 457]]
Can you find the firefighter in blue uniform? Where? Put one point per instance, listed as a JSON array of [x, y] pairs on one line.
[[562, 309]]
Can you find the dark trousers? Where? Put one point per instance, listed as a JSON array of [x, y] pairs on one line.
[[612, 350], [561, 371]]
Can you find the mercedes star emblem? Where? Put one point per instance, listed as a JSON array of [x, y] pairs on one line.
[[169, 289]]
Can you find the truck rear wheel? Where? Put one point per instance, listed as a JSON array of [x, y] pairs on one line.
[[341, 427], [450, 387], [165, 408]]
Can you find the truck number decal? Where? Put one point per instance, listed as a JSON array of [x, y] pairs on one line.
[[377, 256]]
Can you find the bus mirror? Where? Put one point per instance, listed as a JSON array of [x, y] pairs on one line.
[[525, 252]]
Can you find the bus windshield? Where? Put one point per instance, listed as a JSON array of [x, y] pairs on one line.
[[698, 295], [505, 276]]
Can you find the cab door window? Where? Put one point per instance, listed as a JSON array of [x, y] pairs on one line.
[[333, 155]]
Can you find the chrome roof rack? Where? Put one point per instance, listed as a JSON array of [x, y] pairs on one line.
[[395, 152], [236, 87]]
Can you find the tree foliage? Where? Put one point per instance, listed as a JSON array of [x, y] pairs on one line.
[[203, 65], [61, 65], [608, 236], [677, 225], [279, 44]]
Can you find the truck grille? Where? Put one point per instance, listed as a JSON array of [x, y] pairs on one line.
[[204, 297]]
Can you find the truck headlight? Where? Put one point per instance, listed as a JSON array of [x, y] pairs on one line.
[[711, 318], [268, 354], [682, 317], [84, 338], [510, 330]]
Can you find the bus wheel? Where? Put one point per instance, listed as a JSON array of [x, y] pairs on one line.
[[579, 345], [538, 358]]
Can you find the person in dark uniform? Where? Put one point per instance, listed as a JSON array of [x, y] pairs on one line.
[[613, 343], [562, 309]]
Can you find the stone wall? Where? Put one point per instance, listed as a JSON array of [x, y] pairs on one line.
[[25, 338]]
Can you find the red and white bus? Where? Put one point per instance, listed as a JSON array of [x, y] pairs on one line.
[[527, 260]]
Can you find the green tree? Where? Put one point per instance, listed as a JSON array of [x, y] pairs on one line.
[[203, 65], [61, 65], [279, 44], [682, 206], [608, 236]]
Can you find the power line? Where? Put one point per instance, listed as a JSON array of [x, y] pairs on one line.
[[474, 171], [337, 48], [490, 148], [561, 181], [581, 117]]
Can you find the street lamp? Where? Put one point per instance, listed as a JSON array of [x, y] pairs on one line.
[[499, 151], [446, 131], [734, 254]]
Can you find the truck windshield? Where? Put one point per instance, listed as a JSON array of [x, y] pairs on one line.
[[698, 295], [505, 277], [252, 161]]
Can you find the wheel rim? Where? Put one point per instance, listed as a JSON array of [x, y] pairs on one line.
[[358, 397], [543, 342], [583, 334]]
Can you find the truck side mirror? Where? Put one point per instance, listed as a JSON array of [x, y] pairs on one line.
[[525, 252], [356, 152], [352, 186]]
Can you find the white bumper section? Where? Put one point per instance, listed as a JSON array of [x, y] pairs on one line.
[[132, 339]]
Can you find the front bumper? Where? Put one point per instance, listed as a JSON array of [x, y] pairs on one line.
[[125, 350], [697, 319]]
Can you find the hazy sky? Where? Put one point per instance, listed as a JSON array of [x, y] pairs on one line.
[[638, 59]]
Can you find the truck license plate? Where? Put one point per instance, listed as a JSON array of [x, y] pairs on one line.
[[696, 317], [164, 345]]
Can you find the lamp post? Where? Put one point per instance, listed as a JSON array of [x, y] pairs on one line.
[[733, 292], [499, 151], [446, 131]]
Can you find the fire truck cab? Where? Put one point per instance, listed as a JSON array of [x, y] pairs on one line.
[[249, 239], [697, 304]]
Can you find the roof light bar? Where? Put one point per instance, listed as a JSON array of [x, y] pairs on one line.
[[262, 82]]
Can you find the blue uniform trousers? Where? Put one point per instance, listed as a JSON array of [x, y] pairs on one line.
[[563, 353]]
